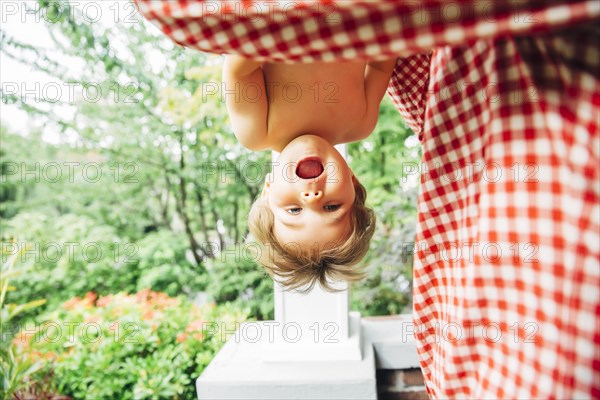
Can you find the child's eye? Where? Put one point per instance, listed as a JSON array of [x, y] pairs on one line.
[[294, 211], [332, 207]]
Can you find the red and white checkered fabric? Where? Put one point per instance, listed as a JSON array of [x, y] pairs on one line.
[[505, 97], [509, 219]]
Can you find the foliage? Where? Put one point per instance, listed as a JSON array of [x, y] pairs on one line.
[[167, 155], [174, 186], [86, 256], [155, 188], [142, 346], [389, 173], [235, 277], [150, 203], [15, 368], [160, 258], [92, 257]]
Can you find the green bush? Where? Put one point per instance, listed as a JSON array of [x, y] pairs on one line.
[[71, 255], [15, 367], [163, 266], [234, 277], [381, 293], [142, 346], [92, 257]]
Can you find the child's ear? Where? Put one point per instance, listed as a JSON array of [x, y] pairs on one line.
[[354, 180]]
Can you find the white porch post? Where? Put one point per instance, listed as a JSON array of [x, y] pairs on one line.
[[313, 326]]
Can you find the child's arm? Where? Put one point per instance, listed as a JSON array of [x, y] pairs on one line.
[[247, 109], [377, 78]]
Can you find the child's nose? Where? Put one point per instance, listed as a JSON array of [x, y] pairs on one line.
[[311, 195]]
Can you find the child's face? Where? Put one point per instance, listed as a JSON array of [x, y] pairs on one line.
[[311, 193]]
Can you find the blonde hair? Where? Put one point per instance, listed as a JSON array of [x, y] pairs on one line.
[[295, 269]]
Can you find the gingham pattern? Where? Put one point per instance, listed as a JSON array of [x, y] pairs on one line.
[[507, 108], [408, 89], [510, 177]]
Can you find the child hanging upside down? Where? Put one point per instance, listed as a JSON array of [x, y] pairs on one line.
[[311, 218]]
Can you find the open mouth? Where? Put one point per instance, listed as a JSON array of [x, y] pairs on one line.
[[309, 168]]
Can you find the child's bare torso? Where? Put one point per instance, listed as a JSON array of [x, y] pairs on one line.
[[324, 99]]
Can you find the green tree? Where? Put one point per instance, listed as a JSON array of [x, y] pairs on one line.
[[150, 116], [168, 157]]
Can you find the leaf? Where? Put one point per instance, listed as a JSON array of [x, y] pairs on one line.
[[15, 310]]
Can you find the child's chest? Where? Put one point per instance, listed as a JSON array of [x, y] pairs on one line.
[[323, 99]]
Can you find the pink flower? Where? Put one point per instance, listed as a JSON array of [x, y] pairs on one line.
[[148, 315], [71, 304], [92, 318], [181, 337], [104, 301], [194, 326]]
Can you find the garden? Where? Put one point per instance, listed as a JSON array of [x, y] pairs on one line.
[[124, 200]]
